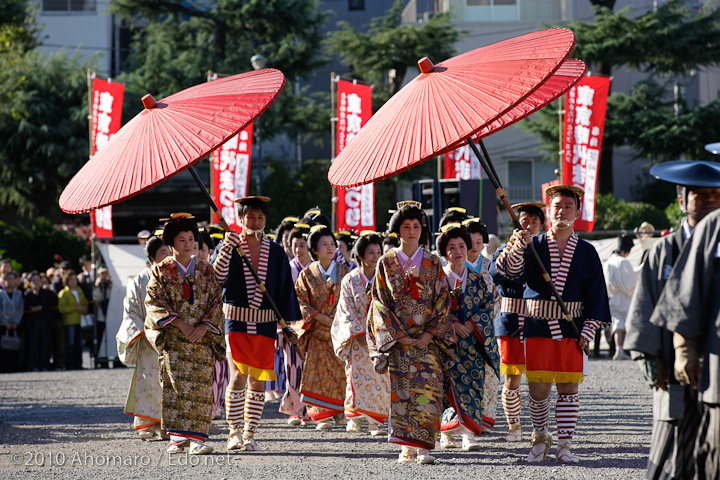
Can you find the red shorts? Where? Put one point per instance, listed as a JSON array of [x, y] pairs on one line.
[[512, 355], [551, 361]]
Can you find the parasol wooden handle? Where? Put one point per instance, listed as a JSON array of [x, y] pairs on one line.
[[492, 175], [289, 335]]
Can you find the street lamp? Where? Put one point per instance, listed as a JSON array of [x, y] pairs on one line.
[[258, 63]]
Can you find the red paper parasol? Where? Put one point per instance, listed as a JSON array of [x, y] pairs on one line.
[[470, 95], [170, 136]]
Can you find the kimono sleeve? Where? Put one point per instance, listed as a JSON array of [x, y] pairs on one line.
[[133, 324], [685, 306], [158, 302], [345, 325], [388, 327], [287, 301], [213, 318], [302, 288], [440, 324], [595, 298], [642, 336]]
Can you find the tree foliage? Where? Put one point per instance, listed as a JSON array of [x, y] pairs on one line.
[[389, 46], [178, 42], [666, 44], [613, 214], [43, 124], [35, 242]]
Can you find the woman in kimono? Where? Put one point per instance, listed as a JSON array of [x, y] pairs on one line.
[[478, 263], [410, 334], [476, 354], [185, 325], [367, 393], [318, 291], [290, 404], [144, 399]]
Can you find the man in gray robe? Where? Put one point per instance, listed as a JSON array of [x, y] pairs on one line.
[[690, 307], [675, 412]]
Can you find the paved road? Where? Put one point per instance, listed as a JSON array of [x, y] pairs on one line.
[[70, 425]]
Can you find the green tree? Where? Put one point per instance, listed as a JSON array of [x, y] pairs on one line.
[[664, 44], [613, 214], [35, 242], [43, 127], [388, 46], [179, 42]]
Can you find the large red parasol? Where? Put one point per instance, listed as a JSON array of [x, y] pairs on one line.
[[170, 136], [470, 95]]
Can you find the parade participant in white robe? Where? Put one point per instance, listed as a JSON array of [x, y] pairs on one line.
[[620, 278], [367, 392], [144, 400]]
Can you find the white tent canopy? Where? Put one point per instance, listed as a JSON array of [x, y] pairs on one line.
[[123, 262]]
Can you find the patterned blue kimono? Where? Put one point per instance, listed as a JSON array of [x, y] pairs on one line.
[[472, 304]]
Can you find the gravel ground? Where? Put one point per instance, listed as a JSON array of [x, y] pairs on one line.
[[70, 425]]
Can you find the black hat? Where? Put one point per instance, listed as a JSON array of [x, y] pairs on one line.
[[688, 173]]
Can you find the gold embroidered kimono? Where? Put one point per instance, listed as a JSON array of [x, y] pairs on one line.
[[367, 392], [323, 378], [144, 400], [416, 375], [186, 369]]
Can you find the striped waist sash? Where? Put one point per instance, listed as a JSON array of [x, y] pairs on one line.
[[248, 315], [537, 308]]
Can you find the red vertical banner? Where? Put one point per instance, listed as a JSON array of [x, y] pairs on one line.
[[230, 167], [106, 119], [461, 164], [356, 205], [585, 107], [546, 201]]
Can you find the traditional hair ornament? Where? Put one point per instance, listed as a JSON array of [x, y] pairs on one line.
[[416, 204], [242, 200], [392, 234], [158, 231], [409, 203], [271, 236], [188, 290], [367, 233], [316, 228], [448, 226], [467, 222], [174, 216], [290, 219], [457, 209]]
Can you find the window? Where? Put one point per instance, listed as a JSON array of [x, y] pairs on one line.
[[69, 5]]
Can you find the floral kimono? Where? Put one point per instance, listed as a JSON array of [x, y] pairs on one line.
[[144, 400], [367, 392], [476, 356], [186, 369], [323, 377], [409, 302]]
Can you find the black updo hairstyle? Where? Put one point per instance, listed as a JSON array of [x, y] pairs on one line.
[[300, 231], [346, 238], [478, 227], [314, 239], [453, 215], [286, 225], [450, 233], [318, 216], [391, 239], [410, 212], [625, 244], [363, 242], [152, 245], [174, 226]]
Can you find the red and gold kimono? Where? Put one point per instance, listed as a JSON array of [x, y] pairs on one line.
[[323, 378], [410, 302], [186, 368]]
